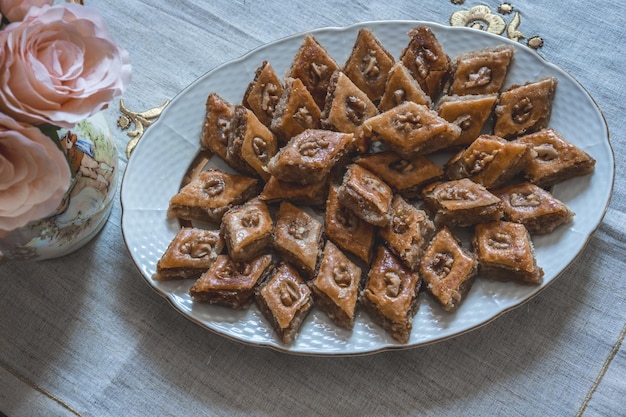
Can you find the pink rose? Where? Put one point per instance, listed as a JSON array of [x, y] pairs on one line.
[[60, 66], [15, 10], [34, 174]]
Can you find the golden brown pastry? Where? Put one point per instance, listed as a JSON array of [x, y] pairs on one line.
[[482, 71], [295, 112], [309, 157], [314, 67], [209, 195], [285, 300], [524, 108], [505, 252], [368, 64], [411, 129], [347, 230], [448, 269], [217, 124], [247, 230], [390, 295], [189, 254], [263, 93], [401, 87], [533, 207], [314, 194], [231, 283], [366, 195], [426, 60], [470, 113], [461, 203], [336, 286], [298, 238], [556, 159], [405, 176]]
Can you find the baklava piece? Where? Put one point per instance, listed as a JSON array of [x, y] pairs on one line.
[[523, 109], [336, 286], [314, 194], [366, 195], [263, 93], [470, 113], [556, 159], [250, 144], [405, 176], [411, 129], [448, 269], [401, 87], [298, 238], [295, 112], [247, 230], [346, 106], [190, 254], [231, 283], [347, 230], [408, 233], [426, 60], [217, 124], [461, 203], [533, 207], [390, 295], [209, 195], [490, 161], [314, 67], [368, 64], [285, 300], [505, 252], [482, 71], [309, 157]]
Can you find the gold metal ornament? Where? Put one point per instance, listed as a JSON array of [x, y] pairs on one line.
[[141, 120]]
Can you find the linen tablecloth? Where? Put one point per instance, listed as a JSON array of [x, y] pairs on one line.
[[84, 334]]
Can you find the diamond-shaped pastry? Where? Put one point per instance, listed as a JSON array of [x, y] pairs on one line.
[[336, 286], [408, 232], [534, 207], [285, 300], [426, 60], [368, 64], [231, 283], [217, 123], [556, 159], [314, 194], [298, 238], [405, 176], [366, 195], [346, 229], [448, 269], [251, 144], [470, 113], [209, 195], [401, 87], [390, 295], [309, 157], [189, 254], [490, 161], [247, 230], [346, 107], [524, 108], [263, 93], [461, 203], [505, 252], [481, 71], [314, 67], [295, 112], [411, 129]]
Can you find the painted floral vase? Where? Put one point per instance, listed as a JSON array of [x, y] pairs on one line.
[[93, 157]]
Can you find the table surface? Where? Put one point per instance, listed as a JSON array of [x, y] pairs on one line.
[[85, 335]]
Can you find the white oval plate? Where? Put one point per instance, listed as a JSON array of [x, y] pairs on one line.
[[155, 171]]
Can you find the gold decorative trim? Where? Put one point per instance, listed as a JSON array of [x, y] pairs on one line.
[[483, 18], [141, 120]]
